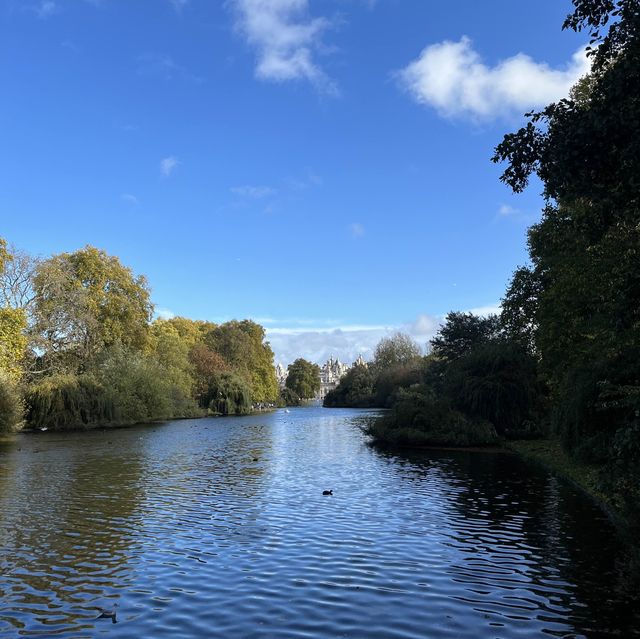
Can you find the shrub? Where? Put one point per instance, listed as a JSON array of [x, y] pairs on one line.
[[355, 390], [68, 401], [496, 382], [11, 408], [418, 418], [288, 397], [140, 389], [229, 394], [391, 380]]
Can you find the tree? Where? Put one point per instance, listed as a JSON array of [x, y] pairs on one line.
[[497, 381], [303, 378], [397, 350], [17, 269], [13, 341], [242, 345], [84, 302], [462, 332], [582, 293], [207, 365], [519, 314], [354, 390]]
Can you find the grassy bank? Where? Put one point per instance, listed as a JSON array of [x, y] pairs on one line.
[[550, 454]]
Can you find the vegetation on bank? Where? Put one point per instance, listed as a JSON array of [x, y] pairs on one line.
[[564, 354], [303, 380], [79, 348]]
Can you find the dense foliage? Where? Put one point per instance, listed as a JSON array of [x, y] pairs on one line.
[[303, 378], [474, 387], [79, 348], [577, 305]]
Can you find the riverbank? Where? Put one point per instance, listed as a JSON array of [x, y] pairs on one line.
[[550, 454]]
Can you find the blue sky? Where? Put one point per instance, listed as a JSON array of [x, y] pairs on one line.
[[321, 166]]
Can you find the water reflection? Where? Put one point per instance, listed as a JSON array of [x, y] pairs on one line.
[[219, 527]]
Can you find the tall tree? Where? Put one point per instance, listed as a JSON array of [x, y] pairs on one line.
[[242, 345], [12, 325], [86, 301], [584, 298], [303, 378], [397, 350], [462, 332]]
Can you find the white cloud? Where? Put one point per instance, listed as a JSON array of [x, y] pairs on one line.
[[285, 38], [46, 8], [168, 165], [130, 199], [483, 311], [328, 338], [346, 342], [179, 5], [505, 210], [356, 229], [164, 313], [253, 192], [452, 78]]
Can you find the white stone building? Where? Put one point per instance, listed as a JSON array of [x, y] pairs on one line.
[[281, 375], [332, 372]]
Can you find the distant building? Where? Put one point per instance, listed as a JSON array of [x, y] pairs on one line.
[[360, 361], [281, 375], [332, 372]]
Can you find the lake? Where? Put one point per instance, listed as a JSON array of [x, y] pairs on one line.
[[219, 528]]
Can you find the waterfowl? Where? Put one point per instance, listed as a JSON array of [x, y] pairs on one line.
[[327, 492], [105, 613]]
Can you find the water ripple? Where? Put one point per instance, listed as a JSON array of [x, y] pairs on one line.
[[192, 537]]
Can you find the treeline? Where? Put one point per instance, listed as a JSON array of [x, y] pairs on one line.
[[475, 386], [565, 351], [79, 348]]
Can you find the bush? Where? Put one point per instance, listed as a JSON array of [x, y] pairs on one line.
[[593, 400], [288, 397], [11, 408], [229, 394], [621, 475], [355, 390], [122, 388], [67, 401], [391, 380], [140, 389], [496, 382], [418, 418]]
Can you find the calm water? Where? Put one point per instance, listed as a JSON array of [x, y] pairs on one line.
[[218, 528]]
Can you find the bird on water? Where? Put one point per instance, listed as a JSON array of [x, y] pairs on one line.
[[106, 613], [327, 492]]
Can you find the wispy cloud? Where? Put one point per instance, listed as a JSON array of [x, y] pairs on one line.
[[505, 210], [179, 5], [290, 339], [164, 313], [356, 229], [307, 181], [46, 9], [452, 78], [161, 65], [168, 165], [286, 39], [130, 199], [253, 192], [346, 341]]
